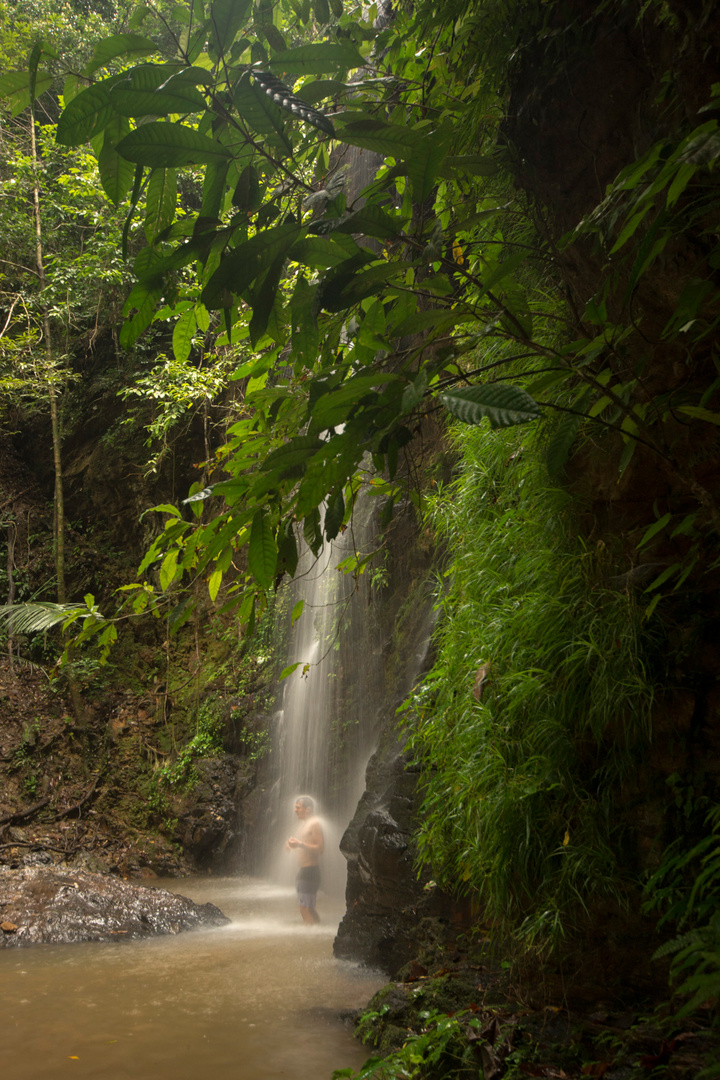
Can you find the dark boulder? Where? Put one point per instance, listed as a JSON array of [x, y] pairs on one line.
[[386, 899], [40, 905]]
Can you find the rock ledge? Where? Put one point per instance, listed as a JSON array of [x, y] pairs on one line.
[[43, 905]]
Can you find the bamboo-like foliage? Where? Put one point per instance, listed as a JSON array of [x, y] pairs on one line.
[[523, 774]]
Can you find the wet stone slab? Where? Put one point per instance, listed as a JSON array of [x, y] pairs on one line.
[[42, 905]]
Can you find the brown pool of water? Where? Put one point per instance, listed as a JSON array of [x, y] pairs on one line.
[[255, 1000]]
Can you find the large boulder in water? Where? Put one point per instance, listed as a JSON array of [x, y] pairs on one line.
[[45, 905]]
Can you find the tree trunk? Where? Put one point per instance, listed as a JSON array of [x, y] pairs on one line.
[[58, 504]]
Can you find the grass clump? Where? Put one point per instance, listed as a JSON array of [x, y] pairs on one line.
[[524, 769]]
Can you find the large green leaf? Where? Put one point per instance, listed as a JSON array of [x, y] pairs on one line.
[[560, 444], [86, 115], [160, 201], [504, 406], [334, 514], [119, 45], [263, 298], [144, 298], [287, 548], [116, 174], [247, 194], [370, 220], [287, 457], [159, 89], [260, 112], [335, 407], [183, 334], [162, 145], [424, 166], [243, 265], [389, 140], [130, 100], [342, 292], [262, 550], [284, 98], [318, 58], [320, 89], [318, 252], [227, 17]]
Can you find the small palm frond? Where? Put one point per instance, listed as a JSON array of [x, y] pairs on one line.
[[30, 618]]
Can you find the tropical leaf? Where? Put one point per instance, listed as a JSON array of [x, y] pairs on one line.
[[504, 406], [260, 112], [31, 618], [131, 100], [318, 252], [119, 45], [389, 140], [288, 554], [342, 292], [320, 89], [370, 220], [15, 86], [561, 443], [226, 18], [334, 514], [334, 407], [160, 201], [243, 265], [321, 11], [144, 297], [262, 550], [318, 58], [183, 334], [116, 174], [86, 115], [424, 165], [285, 99], [247, 195], [163, 145]]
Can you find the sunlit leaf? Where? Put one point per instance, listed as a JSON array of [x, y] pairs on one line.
[[162, 145], [119, 45], [318, 59]]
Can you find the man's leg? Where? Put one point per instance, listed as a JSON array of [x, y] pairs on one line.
[[307, 915]]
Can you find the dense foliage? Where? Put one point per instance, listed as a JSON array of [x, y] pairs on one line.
[[538, 709]]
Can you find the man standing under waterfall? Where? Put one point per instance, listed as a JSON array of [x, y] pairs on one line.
[[309, 846]]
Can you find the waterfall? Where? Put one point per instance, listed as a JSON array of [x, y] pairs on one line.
[[325, 726]]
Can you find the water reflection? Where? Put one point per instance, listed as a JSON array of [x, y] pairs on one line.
[[241, 1001]]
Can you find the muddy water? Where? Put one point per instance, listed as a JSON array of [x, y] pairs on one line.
[[251, 1001]]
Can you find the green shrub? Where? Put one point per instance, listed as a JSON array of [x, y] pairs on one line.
[[522, 784]]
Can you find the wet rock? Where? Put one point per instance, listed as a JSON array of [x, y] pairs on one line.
[[208, 825], [386, 900], [44, 905]]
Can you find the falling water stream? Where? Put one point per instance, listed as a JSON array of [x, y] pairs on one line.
[[255, 1000], [325, 727]]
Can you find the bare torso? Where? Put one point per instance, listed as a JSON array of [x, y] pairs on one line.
[[310, 843]]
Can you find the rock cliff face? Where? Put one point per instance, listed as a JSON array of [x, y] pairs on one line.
[[386, 900]]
